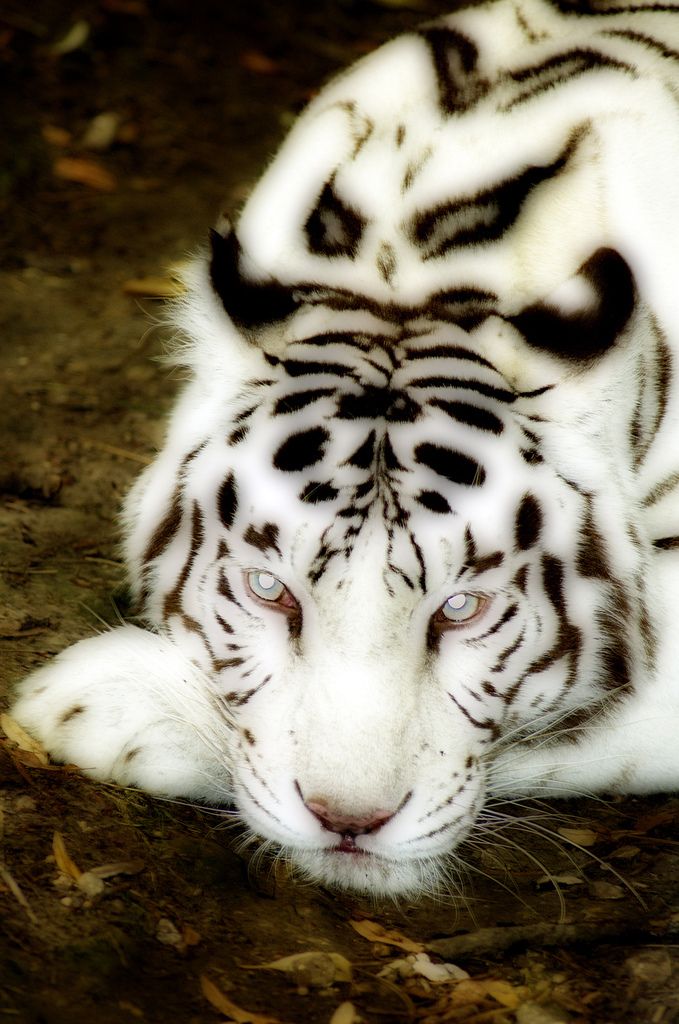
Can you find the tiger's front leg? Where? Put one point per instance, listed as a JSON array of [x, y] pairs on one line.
[[128, 706]]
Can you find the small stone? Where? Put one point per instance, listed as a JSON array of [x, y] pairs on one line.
[[167, 933], [90, 884], [24, 804], [652, 966]]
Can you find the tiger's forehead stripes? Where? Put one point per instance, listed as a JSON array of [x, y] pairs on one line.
[[402, 428]]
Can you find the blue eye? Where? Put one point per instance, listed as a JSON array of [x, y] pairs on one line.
[[461, 608], [265, 586], [268, 589]]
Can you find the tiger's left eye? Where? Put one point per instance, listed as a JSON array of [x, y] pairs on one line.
[[460, 609], [266, 587]]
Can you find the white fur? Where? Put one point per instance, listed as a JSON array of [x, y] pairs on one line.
[[361, 714]]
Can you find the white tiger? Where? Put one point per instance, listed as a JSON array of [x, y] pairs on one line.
[[411, 541]]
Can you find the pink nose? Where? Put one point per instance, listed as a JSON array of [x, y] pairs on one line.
[[347, 824]]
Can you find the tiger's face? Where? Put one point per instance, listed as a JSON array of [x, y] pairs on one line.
[[380, 583]]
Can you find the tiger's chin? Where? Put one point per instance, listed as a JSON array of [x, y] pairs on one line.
[[367, 873]]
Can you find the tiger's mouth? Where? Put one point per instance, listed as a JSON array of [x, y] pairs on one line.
[[351, 868], [347, 844]]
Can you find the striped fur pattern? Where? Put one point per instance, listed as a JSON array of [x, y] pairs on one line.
[[411, 542]]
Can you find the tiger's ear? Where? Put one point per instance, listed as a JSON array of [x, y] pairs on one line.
[[582, 318], [249, 304]]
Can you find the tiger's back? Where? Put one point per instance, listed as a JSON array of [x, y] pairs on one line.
[[415, 517]]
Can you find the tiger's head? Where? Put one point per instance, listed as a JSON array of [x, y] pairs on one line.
[[387, 560]]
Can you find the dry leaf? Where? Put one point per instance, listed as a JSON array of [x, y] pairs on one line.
[[625, 853], [56, 136], [154, 287], [190, 937], [255, 60], [607, 891], [121, 867], [76, 37], [315, 969], [537, 1013], [102, 131], [345, 1014], [560, 880], [85, 172], [647, 822], [504, 993], [579, 836], [15, 889], [64, 862], [130, 1008], [473, 992], [222, 1003], [374, 932], [14, 732], [420, 964]]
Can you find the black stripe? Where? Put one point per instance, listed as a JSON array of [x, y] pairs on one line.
[[470, 415], [166, 529], [433, 501], [303, 367], [562, 68], [483, 217], [172, 602], [316, 492], [462, 384], [224, 588], [370, 403], [238, 435], [487, 724], [296, 400], [485, 563], [447, 352], [662, 489], [666, 543], [222, 663], [505, 655], [364, 455], [641, 37], [450, 464], [264, 539], [227, 501], [590, 333], [528, 523], [506, 617], [552, 580], [455, 58], [248, 303], [333, 228], [301, 450], [520, 580], [591, 561]]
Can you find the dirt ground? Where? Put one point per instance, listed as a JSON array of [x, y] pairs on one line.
[[114, 907]]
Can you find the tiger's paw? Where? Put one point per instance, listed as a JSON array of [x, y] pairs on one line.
[[129, 707]]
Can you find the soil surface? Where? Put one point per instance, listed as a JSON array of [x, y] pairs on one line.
[[127, 126]]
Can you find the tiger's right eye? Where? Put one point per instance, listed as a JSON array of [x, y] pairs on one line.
[[268, 589], [265, 586]]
